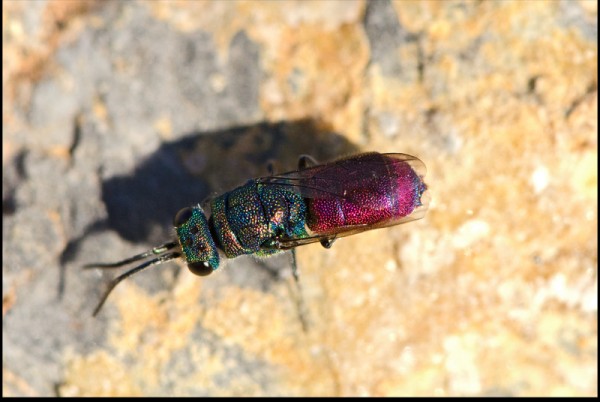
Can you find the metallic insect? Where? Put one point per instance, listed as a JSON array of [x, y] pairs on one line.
[[268, 215]]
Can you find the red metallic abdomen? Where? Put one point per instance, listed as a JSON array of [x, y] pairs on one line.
[[377, 188]]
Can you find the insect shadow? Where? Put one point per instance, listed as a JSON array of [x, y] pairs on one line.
[[141, 206]]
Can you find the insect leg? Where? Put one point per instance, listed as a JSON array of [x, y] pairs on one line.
[[305, 161], [299, 297], [327, 243], [155, 251], [115, 282], [272, 167], [294, 266]]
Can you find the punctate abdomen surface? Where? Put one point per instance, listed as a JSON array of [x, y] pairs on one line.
[[377, 188]]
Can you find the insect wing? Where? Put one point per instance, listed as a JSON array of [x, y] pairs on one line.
[[332, 179], [288, 243], [340, 180]]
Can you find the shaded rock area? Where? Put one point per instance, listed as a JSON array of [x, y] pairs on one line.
[[118, 114]]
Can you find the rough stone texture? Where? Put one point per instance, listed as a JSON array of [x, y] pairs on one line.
[[117, 114]]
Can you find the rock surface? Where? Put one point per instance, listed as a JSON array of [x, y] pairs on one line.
[[118, 114]]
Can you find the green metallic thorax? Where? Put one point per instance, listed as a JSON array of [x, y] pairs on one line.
[[244, 219]]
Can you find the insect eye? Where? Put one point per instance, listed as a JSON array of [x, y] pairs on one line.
[[201, 268], [182, 216]]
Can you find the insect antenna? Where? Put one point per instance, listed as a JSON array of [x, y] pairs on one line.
[[115, 282], [156, 251]]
